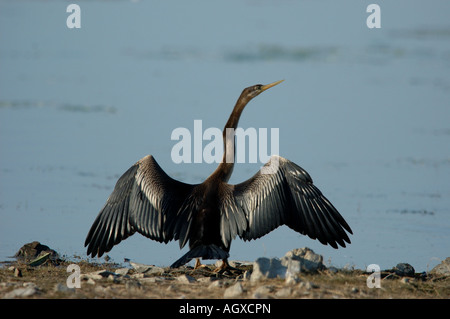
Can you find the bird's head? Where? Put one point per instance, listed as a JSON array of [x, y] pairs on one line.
[[253, 91]]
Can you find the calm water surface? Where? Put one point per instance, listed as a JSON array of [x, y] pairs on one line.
[[366, 112]]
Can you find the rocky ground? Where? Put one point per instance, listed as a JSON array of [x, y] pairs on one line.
[[299, 274]]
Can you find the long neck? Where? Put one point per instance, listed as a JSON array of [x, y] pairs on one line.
[[225, 168]]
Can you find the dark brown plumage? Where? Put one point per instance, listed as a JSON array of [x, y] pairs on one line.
[[211, 214]]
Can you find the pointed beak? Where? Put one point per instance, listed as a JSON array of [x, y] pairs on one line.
[[268, 86]]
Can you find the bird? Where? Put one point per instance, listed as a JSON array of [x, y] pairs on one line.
[[211, 214]]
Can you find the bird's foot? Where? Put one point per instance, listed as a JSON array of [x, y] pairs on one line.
[[225, 267]]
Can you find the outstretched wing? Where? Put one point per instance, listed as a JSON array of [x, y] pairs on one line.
[[145, 199], [287, 196]]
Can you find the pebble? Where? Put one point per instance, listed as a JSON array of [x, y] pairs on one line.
[[140, 268], [100, 289], [263, 292], [17, 272], [147, 269], [333, 270], [63, 288], [246, 275], [186, 279], [122, 271], [308, 285], [97, 275], [114, 278], [207, 279], [90, 281], [151, 280], [284, 292], [133, 285], [405, 280], [442, 269], [29, 289], [216, 284], [234, 291], [292, 279], [404, 269]]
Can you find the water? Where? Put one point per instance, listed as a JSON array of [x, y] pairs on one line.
[[366, 112]]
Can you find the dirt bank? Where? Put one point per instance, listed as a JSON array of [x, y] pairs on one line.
[[108, 280]]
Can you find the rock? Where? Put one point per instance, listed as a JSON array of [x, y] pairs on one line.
[[90, 276], [263, 292], [405, 280], [239, 263], [246, 275], [292, 279], [90, 281], [216, 284], [122, 271], [147, 269], [97, 275], [140, 268], [186, 279], [332, 270], [155, 271], [34, 250], [207, 279], [151, 280], [234, 291], [104, 273], [284, 292], [442, 269], [267, 268], [27, 291], [114, 278], [17, 272], [63, 288], [404, 269], [308, 285], [133, 285], [309, 261], [100, 290], [293, 263]]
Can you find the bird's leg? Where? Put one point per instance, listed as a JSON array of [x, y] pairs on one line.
[[225, 266], [198, 264]]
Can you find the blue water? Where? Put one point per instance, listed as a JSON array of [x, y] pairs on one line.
[[365, 111]]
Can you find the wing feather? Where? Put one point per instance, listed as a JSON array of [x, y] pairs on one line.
[[288, 197], [144, 199]]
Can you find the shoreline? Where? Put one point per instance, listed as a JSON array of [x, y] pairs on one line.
[[55, 278]]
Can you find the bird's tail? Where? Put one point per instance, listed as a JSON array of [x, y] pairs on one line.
[[202, 251]]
